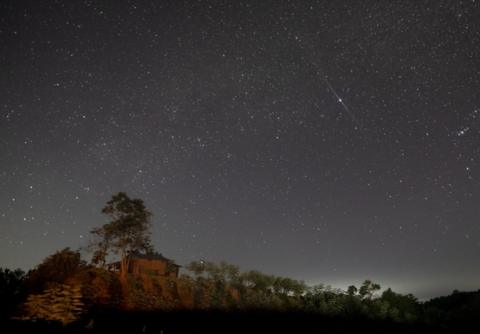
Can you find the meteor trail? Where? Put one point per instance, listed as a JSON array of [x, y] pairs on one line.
[[340, 100], [320, 72]]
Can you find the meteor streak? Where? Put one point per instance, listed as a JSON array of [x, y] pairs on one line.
[[340, 100]]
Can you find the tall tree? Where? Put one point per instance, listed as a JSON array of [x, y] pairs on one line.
[[128, 231]]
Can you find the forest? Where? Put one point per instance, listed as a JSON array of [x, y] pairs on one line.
[[67, 293]]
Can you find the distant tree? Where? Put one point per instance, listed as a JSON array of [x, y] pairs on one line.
[[367, 289], [12, 290], [56, 268], [352, 290], [458, 310], [314, 299], [197, 268], [224, 285], [128, 231], [287, 286], [258, 281], [214, 283], [403, 307]]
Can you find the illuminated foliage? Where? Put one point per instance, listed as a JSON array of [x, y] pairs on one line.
[[61, 303]]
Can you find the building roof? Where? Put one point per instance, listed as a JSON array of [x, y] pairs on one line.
[[152, 256]]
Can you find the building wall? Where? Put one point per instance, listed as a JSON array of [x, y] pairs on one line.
[[174, 273], [150, 267]]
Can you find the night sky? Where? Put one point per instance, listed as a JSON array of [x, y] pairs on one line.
[[329, 141]]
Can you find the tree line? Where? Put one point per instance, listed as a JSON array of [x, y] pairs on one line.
[[66, 288]]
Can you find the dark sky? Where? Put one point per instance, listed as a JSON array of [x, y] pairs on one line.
[[329, 141]]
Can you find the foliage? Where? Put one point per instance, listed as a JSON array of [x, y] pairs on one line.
[[127, 232], [402, 307], [224, 286], [56, 268], [63, 286], [101, 288], [150, 293], [257, 290], [12, 290], [367, 289], [61, 303], [352, 290], [459, 309]]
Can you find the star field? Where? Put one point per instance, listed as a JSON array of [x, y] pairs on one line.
[[326, 141]]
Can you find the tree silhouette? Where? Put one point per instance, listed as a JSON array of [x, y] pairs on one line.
[[403, 307], [12, 290], [367, 289], [56, 268], [352, 290], [127, 232]]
